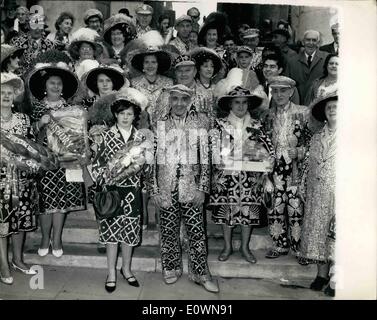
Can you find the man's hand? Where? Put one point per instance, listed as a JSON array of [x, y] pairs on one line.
[[198, 199]]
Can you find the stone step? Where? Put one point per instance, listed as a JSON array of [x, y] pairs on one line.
[[86, 232], [147, 258]]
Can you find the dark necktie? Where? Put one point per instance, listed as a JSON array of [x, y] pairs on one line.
[[309, 60]]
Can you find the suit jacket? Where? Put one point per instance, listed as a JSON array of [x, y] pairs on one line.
[[180, 159], [298, 70], [329, 48]]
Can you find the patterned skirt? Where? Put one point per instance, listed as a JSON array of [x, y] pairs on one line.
[[232, 215], [124, 228], [56, 195], [22, 217]]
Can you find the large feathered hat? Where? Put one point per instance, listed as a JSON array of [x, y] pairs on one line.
[[232, 87], [318, 105], [100, 112], [152, 44], [84, 35], [201, 54], [9, 51], [12, 79], [115, 73], [43, 71], [122, 22], [215, 20]]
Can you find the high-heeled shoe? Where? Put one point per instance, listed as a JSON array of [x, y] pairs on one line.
[[108, 288], [24, 271], [210, 285], [57, 253], [42, 252], [133, 283], [7, 280]]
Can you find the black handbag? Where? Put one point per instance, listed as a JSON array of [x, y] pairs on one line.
[[107, 204]]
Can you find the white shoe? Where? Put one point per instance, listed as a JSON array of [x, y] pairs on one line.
[[7, 280], [25, 271], [57, 253], [43, 252]]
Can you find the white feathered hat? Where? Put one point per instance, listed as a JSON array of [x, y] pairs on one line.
[[84, 35], [233, 87], [12, 79], [152, 43]]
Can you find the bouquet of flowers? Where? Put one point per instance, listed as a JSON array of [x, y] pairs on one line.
[[25, 154], [127, 161], [67, 136]]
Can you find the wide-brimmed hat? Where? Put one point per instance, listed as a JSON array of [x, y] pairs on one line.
[[200, 54], [152, 44], [100, 112], [113, 73], [215, 20], [232, 87], [318, 105], [11, 79], [122, 22], [43, 71], [8, 51], [240, 92], [84, 35]]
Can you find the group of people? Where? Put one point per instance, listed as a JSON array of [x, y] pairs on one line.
[[194, 122]]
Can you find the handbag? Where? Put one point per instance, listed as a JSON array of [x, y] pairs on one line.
[[107, 204]]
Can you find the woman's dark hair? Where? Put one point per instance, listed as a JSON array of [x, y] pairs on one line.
[[121, 105], [62, 17], [326, 63], [200, 63], [163, 17], [74, 51]]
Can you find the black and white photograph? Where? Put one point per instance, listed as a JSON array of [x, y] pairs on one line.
[[188, 150]]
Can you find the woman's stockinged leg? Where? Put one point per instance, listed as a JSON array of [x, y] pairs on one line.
[[57, 225], [112, 253], [245, 238], [227, 232], [17, 247], [127, 259], [4, 265], [46, 225]]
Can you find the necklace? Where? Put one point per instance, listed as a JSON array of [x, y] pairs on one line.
[[207, 87], [329, 82], [151, 82]]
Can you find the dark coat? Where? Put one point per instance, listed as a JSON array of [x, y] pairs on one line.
[[329, 48], [298, 70]]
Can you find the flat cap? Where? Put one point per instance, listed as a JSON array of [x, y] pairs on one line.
[[185, 17], [144, 9], [250, 33], [182, 89], [244, 49], [92, 13], [282, 82], [184, 60]]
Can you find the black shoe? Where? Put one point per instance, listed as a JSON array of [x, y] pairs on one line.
[[131, 282], [329, 291], [108, 288], [319, 283]]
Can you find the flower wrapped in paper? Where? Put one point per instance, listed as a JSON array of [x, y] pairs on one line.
[[67, 136], [25, 154], [127, 161]]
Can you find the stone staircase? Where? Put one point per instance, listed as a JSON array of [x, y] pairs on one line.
[[80, 238]]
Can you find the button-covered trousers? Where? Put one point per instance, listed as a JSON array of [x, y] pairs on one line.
[[285, 218], [171, 252]]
